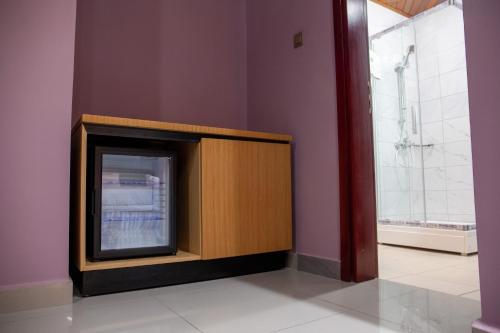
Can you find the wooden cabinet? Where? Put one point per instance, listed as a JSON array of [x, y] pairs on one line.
[[233, 199], [233, 189], [246, 197]]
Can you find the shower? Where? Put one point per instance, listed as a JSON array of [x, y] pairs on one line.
[[403, 64], [422, 134], [404, 141]]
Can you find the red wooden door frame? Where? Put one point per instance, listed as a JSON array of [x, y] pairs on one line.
[[356, 152]]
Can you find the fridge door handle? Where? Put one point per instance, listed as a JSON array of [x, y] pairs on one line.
[[92, 202]]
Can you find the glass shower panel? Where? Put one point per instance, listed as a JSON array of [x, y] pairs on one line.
[[447, 157], [423, 159], [396, 120]]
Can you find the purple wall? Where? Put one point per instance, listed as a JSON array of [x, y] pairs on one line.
[[176, 60], [36, 66], [293, 91], [482, 26]]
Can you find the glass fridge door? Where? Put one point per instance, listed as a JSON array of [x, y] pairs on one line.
[[135, 201]]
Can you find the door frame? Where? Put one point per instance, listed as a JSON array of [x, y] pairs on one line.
[[358, 215]]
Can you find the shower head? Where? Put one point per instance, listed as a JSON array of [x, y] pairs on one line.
[[404, 63], [409, 50]]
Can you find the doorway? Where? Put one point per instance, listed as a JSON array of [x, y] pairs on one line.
[[422, 151], [359, 221]]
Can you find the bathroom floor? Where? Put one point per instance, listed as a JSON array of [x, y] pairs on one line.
[[444, 272], [286, 301]]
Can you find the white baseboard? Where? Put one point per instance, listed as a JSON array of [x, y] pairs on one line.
[[32, 296]]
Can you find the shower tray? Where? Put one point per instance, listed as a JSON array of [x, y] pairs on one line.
[[458, 237]]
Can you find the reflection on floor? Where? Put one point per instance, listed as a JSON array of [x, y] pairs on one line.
[[287, 301], [448, 273]]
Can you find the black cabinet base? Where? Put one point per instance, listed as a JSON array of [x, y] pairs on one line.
[[99, 282]]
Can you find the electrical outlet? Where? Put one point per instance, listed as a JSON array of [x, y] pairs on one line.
[[298, 40]]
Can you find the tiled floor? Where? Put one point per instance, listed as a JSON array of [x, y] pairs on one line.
[[286, 301], [448, 273]]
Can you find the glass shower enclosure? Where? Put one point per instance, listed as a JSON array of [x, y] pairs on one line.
[[421, 120]]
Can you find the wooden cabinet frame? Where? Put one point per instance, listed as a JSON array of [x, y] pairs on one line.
[[270, 236]]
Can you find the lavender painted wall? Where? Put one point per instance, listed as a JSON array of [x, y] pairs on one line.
[[36, 66], [172, 60], [293, 91], [482, 25]]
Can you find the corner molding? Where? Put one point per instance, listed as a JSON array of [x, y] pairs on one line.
[[38, 295], [317, 265]]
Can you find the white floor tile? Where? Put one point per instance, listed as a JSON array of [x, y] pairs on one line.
[[347, 322], [367, 294], [285, 300], [458, 275], [245, 307], [44, 324], [418, 280], [62, 311], [429, 311], [444, 272]]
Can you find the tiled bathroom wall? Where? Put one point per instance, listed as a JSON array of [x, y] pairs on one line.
[[444, 109], [436, 88]]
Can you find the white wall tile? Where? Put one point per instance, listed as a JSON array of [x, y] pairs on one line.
[[426, 39], [455, 106], [432, 133], [388, 130], [457, 129], [452, 59], [434, 156], [437, 217], [435, 179], [458, 153], [412, 93], [460, 202], [459, 177], [386, 106], [431, 111], [451, 30], [453, 82], [411, 72], [388, 85], [462, 217], [389, 47], [417, 204], [428, 67], [435, 202], [395, 179], [416, 179], [396, 203], [387, 154], [430, 89]]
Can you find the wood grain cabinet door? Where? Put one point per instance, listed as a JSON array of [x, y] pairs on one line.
[[246, 198]]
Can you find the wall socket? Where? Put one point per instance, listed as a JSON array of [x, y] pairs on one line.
[[298, 40]]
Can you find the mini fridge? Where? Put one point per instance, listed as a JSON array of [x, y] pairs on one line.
[[132, 203]]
